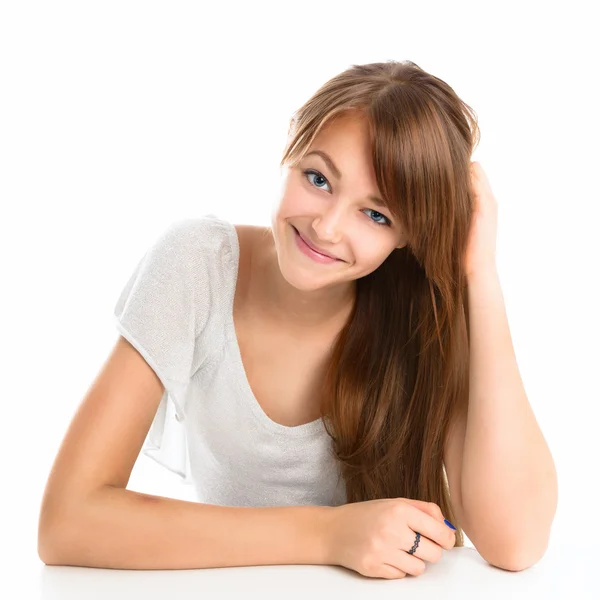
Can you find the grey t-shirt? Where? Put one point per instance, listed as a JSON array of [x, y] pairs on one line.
[[176, 309]]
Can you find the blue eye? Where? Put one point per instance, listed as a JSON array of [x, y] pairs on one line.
[[308, 172], [316, 173], [386, 221]]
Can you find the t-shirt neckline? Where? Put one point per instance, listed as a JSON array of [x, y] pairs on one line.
[[304, 430]]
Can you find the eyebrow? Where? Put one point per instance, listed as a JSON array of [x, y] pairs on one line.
[[329, 162]]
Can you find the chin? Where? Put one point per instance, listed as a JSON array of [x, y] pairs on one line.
[[302, 280]]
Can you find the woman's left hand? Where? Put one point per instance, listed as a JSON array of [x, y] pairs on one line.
[[481, 249]]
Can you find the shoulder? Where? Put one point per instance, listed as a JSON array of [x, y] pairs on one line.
[[213, 240], [191, 241], [196, 230]]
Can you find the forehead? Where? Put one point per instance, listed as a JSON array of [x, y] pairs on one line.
[[349, 127], [346, 140], [344, 145]]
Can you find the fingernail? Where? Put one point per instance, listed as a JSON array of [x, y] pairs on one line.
[[449, 524]]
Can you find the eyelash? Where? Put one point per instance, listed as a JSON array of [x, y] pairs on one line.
[[308, 172]]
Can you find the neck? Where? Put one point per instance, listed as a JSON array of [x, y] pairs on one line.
[[318, 309]]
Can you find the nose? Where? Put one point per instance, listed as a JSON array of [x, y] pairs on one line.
[[329, 225]]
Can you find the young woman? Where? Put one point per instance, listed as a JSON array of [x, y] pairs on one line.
[[310, 378]]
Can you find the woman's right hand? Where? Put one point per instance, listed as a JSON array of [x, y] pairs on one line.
[[374, 537]]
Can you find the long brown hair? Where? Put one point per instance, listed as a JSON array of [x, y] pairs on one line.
[[399, 369]]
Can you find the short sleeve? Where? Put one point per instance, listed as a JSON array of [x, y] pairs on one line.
[[159, 311]]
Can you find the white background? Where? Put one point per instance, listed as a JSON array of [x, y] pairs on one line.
[[117, 118]]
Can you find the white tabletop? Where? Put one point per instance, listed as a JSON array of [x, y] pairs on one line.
[[462, 573]]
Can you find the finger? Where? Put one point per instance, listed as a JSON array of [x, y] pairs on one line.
[[414, 564], [432, 529], [386, 571], [409, 564], [426, 549], [430, 508]]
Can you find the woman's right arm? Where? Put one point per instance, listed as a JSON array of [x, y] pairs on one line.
[[89, 518], [117, 528]]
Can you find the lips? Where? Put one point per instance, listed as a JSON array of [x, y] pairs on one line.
[[315, 248]]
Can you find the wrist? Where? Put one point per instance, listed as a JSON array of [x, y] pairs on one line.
[[327, 534]]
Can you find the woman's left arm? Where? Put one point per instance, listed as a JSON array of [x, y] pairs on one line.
[[508, 479]]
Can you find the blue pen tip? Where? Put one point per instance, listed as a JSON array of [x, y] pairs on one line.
[[449, 524]]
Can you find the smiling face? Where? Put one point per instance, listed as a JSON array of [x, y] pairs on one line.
[[332, 203]]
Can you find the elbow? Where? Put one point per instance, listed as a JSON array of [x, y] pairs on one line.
[[46, 556], [46, 544], [51, 540], [526, 558], [514, 563], [46, 548], [516, 548], [52, 550], [511, 563], [518, 558]]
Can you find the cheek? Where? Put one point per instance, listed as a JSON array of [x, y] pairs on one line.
[[375, 260], [294, 202], [369, 258]]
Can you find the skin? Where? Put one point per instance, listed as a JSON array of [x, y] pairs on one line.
[[337, 216]]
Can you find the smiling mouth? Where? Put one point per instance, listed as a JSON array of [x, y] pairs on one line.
[[335, 258]]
